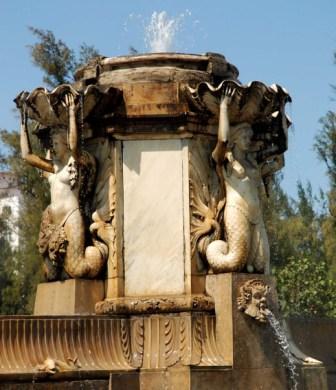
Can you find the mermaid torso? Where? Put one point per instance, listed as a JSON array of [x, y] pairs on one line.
[[243, 191], [64, 196]]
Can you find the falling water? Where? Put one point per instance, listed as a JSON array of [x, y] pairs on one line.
[[282, 341]]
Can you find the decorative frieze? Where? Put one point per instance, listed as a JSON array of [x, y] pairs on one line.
[[156, 304]]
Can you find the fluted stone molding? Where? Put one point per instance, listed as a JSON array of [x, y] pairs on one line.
[[82, 344]]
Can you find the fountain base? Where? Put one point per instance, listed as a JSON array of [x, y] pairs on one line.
[[191, 349]]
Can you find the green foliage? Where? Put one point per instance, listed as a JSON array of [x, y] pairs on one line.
[[23, 266], [86, 53], [278, 211], [325, 146], [57, 61], [6, 258], [299, 261], [305, 288], [303, 240], [53, 56]]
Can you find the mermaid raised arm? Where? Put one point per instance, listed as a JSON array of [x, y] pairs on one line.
[[26, 149], [221, 153], [223, 126], [69, 103]]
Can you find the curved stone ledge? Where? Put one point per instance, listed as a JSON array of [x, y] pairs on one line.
[[83, 343], [94, 346]]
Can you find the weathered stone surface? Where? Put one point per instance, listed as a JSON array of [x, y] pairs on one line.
[[317, 337], [153, 217], [248, 343], [259, 379], [169, 379], [204, 194], [73, 296], [253, 299], [211, 65], [220, 288], [127, 381], [256, 357], [180, 350], [315, 378], [153, 99], [253, 342], [214, 378], [257, 348], [60, 385], [70, 346], [160, 304]]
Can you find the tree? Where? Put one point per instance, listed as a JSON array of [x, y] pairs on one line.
[[305, 288], [6, 256], [325, 146], [305, 282], [297, 251], [278, 211], [57, 61], [34, 198]]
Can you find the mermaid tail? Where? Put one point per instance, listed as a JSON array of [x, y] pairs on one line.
[[231, 255]]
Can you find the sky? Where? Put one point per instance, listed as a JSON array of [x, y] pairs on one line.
[[290, 43]]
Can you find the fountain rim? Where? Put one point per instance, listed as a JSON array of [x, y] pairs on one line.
[[159, 56], [173, 59]]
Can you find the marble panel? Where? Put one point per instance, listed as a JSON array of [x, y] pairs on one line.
[[153, 217]]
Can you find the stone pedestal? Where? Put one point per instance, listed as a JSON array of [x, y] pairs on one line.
[[160, 146], [73, 296], [251, 346]]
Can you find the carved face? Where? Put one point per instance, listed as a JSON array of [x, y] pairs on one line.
[[243, 138], [253, 301], [73, 172], [257, 303], [59, 145]]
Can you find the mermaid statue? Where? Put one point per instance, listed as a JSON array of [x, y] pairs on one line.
[[71, 172]]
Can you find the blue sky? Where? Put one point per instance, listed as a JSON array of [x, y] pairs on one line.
[[290, 43]]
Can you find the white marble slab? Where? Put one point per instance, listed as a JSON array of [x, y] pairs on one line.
[[153, 217]]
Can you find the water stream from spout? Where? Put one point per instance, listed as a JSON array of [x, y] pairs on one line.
[[283, 343]]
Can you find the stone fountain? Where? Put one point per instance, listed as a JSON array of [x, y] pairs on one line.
[[154, 245]]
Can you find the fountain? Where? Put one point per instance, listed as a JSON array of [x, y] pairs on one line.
[[154, 244]]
